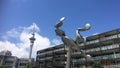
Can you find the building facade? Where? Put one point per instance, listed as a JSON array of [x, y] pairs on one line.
[[23, 62], [5, 52], [53, 57], [103, 48], [8, 61]]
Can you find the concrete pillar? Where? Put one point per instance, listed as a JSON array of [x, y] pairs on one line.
[[68, 63]]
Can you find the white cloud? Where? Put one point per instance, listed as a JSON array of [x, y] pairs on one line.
[[13, 33], [95, 33], [16, 51], [21, 48], [56, 41], [31, 28]]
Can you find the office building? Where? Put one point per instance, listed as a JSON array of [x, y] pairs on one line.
[[23, 62], [52, 57], [103, 48], [8, 61], [5, 52]]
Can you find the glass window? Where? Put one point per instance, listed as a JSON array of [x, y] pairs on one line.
[[105, 57], [42, 59], [74, 60], [81, 59], [119, 35], [98, 57], [87, 50], [117, 55], [111, 37], [109, 47], [115, 46], [87, 42], [93, 41], [81, 44], [97, 49], [92, 50], [103, 48], [59, 49]]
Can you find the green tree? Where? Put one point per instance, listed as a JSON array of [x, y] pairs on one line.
[[97, 65], [3, 66], [27, 65]]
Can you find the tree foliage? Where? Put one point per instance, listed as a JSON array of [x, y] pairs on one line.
[[3, 66], [97, 65], [27, 65]]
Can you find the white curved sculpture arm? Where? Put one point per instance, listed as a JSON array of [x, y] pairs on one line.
[[60, 23]]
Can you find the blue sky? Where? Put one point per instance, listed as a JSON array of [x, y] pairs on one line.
[[103, 15]]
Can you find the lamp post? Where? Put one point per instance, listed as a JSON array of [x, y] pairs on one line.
[[32, 39]]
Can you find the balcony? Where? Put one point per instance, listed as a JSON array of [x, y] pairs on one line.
[[49, 54], [48, 59], [60, 52], [59, 64], [77, 55]]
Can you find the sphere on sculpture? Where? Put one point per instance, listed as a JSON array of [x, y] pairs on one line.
[[87, 26]]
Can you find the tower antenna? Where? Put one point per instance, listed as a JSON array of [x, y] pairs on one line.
[[34, 28]]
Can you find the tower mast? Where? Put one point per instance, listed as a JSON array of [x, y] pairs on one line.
[[32, 39]]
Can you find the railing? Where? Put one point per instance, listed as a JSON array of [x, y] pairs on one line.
[[112, 56]]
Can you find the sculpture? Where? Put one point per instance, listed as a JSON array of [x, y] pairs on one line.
[[68, 41]]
